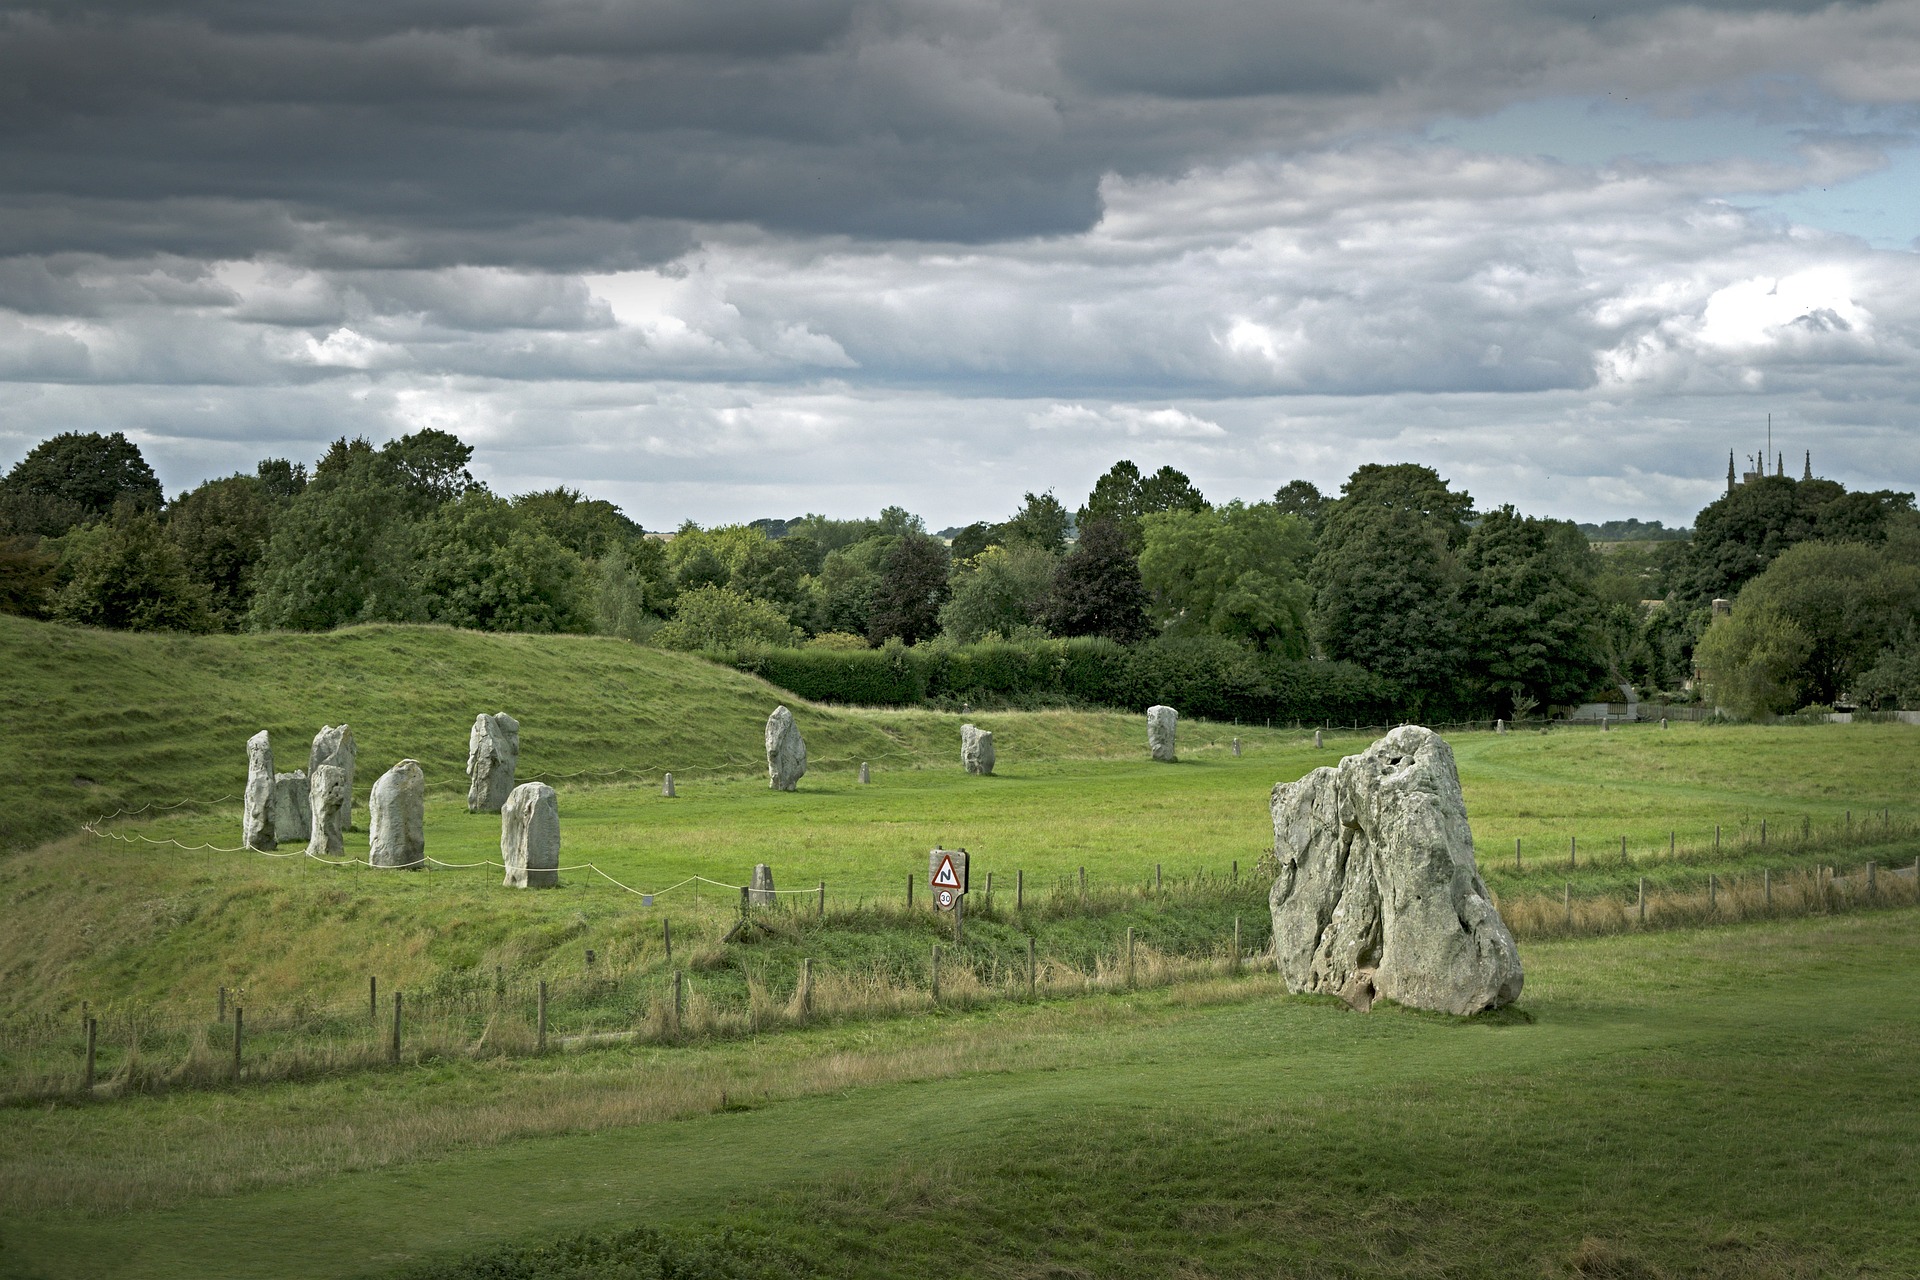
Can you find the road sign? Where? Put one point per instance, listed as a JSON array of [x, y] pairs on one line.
[[947, 875]]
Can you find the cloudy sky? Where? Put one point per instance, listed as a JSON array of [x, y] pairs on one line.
[[718, 259]]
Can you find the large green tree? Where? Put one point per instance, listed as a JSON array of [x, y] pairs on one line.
[[1385, 576], [222, 529], [912, 587], [482, 565], [1040, 522], [1803, 631], [341, 551], [1736, 536], [1097, 589], [1123, 495], [1234, 571], [588, 527], [73, 478], [1002, 590], [721, 618], [124, 573], [1529, 618]]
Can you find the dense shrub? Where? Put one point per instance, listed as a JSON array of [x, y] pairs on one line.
[[1201, 675]]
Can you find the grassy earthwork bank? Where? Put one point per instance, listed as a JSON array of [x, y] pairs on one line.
[[1736, 1101]]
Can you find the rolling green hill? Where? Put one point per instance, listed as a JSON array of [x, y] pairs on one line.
[[96, 721]]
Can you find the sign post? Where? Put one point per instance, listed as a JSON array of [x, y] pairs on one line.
[[947, 877]]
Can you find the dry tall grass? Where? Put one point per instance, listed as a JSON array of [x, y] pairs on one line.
[[1715, 900]]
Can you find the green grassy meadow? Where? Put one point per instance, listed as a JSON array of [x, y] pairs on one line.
[[1735, 1100], [1728, 1102]]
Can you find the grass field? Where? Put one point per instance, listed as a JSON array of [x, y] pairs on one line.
[[1727, 1102]]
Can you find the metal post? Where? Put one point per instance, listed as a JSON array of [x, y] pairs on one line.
[[936, 973], [1031, 971], [239, 1019], [540, 1019], [93, 1027], [393, 1050]]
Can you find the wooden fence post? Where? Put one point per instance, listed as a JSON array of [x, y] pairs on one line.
[[1763, 833], [1573, 851], [373, 998], [1129, 955], [1516, 855], [1019, 890], [823, 899], [1031, 971], [806, 986], [1236, 871], [1643, 899], [239, 1020], [935, 983], [1623, 849], [1569, 900], [1766, 887], [221, 1015], [1236, 944], [93, 1027], [909, 890], [393, 1050], [989, 890], [540, 1019], [1673, 840], [1716, 837]]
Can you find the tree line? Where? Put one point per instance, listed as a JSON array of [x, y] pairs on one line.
[[1458, 612]]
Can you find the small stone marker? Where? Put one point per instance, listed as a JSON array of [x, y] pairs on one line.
[[786, 751], [1162, 726], [976, 749], [947, 876], [292, 808], [334, 745], [1663, 722], [257, 829], [493, 753], [326, 784], [1499, 726], [530, 837], [1316, 740], [397, 818], [1236, 748], [666, 787], [866, 775], [760, 893]]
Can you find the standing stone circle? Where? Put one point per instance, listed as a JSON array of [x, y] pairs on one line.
[[786, 751], [1162, 723], [493, 753], [666, 786], [292, 807], [530, 837], [334, 746], [1378, 893], [760, 893], [257, 827], [397, 818], [976, 749], [326, 785]]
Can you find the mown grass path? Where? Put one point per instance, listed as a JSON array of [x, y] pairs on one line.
[[1725, 1102]]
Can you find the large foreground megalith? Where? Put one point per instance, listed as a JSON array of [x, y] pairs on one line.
[[1162, 727], [292, 807], [256, 807], [326, 785], [493, 754], [530, 837], [1377, 892], [786, 751], [976, 749], [397, 818]]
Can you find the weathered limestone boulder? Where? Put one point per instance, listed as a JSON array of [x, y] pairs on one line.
[[1499, 726], [530, 837], [256, 808], [493, 753], [397, 818], [786, 751], [666, 786], [760, 892], [334, 746], [866, 774], [976, 749], [1378, 894], [326, 787], [292, 807], [1236, 748], [1161, 725]]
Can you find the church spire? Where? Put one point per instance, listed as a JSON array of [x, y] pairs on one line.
[[1808, 473], [1729, 471]]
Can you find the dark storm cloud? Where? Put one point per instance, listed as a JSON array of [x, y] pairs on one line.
[[591, 133]]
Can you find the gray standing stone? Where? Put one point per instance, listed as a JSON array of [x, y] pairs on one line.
[[1316, 740], [666, 786], [1499, 726], [1236, 748], [1162, 725], [334, 746], [292, 807], [493, 753], [976, 749], [257, 829], [1663, 722], [760, 893], [786, 751], [1378, 892], [866, 775], [530, 837], [326, 785], [397, 818]]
